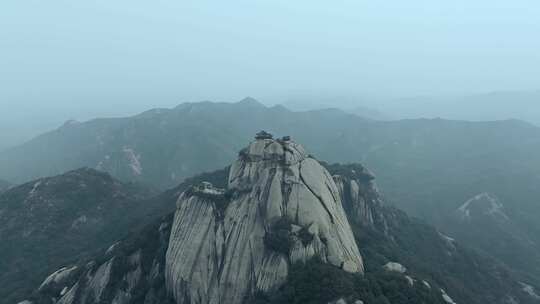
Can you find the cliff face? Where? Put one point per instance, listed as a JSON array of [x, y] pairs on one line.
[[361, 198], [281, 207]]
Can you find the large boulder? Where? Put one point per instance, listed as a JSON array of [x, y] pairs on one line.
[[281, 207]]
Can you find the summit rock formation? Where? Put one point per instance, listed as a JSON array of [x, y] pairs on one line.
[[280, 207]]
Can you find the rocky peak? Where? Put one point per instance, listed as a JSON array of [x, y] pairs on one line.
[[483, 204], [250, 101], [280, 207], [359, 194]]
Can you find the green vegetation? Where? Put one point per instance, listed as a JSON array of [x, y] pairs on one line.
[[319, 283], [467, 276], [56, 221], [278, 238]]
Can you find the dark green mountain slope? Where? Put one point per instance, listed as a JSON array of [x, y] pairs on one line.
[[51, 221], [482, 222], [160, 147]]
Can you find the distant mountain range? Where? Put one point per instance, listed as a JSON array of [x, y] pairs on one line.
[[439, 159], [504, 105], [344, 104], [523, 105], [428, 167]]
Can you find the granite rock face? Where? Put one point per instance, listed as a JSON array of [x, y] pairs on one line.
[[360, 196], [281, 207], [395, 267]]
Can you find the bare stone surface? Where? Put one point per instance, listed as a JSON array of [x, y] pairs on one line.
[[221, 254]]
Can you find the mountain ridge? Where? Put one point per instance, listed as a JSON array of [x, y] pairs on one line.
[[97, 131]]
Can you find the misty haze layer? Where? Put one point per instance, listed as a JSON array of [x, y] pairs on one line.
[[64, 59]]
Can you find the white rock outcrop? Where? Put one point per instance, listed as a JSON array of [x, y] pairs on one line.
[[446, 297], [395, 267], [528, 289], [361, 198], [483, 204], [410, 280], [281, 207], [58, 277]]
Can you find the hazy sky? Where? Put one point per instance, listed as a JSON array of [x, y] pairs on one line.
[[92, 56], [64, 50]]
